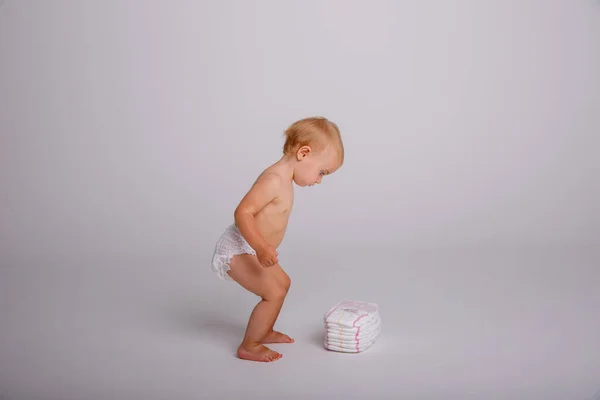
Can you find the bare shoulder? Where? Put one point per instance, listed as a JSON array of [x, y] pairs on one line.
[[270, 179], [266, 188]]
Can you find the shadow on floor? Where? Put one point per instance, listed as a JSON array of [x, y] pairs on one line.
[[317, 337], [217, 327]]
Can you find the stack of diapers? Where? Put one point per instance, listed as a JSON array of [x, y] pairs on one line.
[[351, 326]]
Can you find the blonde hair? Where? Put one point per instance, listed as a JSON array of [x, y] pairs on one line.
[[316, 132]]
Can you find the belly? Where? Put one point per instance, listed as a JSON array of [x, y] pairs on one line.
[[272, 227]]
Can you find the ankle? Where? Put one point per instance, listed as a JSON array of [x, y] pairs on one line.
[[249, 344]]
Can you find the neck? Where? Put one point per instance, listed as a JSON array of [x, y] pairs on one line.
[[287, 163]]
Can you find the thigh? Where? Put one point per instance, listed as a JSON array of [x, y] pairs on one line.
[[247, 271]]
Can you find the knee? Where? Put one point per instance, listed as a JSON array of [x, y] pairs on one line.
[[287, 282], [278, 290], [275, 293]]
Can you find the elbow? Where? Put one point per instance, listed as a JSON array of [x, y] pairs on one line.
[[240, 215]]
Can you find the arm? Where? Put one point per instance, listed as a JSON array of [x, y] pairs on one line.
[[265, 190]]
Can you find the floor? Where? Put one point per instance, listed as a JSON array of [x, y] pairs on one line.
[[455, 324]]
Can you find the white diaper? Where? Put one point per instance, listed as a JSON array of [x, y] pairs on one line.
[[230, 243]]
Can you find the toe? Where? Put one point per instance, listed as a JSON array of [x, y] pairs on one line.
[[287, 338]]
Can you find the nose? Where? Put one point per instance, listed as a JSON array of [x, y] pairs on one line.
[[319, 180]]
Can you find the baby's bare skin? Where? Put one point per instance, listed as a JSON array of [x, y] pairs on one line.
[[272, 220], [276, 337], [262, 218]]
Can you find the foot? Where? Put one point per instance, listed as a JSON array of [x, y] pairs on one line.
[[258, 353], [276, 337]]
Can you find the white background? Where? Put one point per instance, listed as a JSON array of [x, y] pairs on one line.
[[467, 207]]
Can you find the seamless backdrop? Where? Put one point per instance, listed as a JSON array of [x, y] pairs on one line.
[[467, 206]]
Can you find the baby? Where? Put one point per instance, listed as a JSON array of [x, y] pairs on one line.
[[247, 251]]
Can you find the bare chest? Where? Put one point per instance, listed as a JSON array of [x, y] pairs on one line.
[[272, 220], [283, 204], [281, 207]]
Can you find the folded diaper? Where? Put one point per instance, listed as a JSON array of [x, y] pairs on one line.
[[352, 313], [361, 332], [351, 326], [352, 340], [354, 335], [353, 346], [358, 330], [347, 348]]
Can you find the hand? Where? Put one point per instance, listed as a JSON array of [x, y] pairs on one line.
[[267, 257]]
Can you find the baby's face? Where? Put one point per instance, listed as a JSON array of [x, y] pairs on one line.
[[313, 168]]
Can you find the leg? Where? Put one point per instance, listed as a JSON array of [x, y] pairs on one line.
[[273, 336], [247, 271]]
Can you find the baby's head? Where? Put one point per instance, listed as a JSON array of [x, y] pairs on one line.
[[315, 145]]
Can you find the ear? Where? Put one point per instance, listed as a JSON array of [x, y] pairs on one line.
[[303, 152]]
